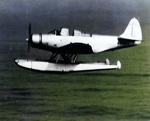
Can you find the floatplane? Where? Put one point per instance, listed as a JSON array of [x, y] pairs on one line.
[[69, 47]]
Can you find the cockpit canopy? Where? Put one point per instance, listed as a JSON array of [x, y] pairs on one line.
[[65, 32]]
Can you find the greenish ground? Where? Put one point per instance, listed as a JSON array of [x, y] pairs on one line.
[[122, 95]]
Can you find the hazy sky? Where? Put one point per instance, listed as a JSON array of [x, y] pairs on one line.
[[92, 16]]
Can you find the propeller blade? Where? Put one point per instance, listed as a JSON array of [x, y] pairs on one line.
[[30, 34], [29, 49], [29, 29], [29, 39]]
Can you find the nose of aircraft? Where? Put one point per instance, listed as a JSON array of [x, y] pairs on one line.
[[36, 38]]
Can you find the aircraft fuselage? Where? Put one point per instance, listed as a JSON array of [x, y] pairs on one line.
[[76, 44]]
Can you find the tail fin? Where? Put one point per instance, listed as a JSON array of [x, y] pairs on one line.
[[133, 32]]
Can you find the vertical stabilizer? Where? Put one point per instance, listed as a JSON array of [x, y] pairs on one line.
[[133, 31]]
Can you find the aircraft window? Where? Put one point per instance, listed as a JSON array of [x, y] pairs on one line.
[[64, 32], [52, 32], [55, 32], [58, 32], [77, 33], [86, 35]]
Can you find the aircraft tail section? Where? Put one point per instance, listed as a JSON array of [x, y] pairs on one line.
[[132, 34]]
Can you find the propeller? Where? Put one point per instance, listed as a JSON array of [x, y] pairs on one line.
[[29, 40]]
